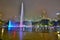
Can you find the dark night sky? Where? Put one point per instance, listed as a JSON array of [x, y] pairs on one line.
[[10, 8]]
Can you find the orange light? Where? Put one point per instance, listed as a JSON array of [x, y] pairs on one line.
[[14, 34]]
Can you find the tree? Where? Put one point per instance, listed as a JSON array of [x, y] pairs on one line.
[[1, 22], [58, 22], [54, 23], [44, 22]]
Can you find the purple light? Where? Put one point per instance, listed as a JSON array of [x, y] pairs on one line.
[[21, 23]]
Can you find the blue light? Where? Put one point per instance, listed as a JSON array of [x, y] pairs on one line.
[[9, 25], [9, 28]]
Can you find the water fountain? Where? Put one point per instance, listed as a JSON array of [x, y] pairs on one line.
[[21, 23]]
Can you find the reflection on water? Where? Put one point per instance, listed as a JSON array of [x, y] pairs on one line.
[[29, 34]]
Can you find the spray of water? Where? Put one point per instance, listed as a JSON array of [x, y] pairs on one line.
[[21, 22]]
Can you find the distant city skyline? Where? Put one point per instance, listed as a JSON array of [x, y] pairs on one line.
[[32, 8]]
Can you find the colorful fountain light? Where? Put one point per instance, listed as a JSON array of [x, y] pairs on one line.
[[14, 34], [21, 22], [10, 27]]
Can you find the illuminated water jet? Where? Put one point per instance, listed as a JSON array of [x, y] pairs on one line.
[[21, 22]]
